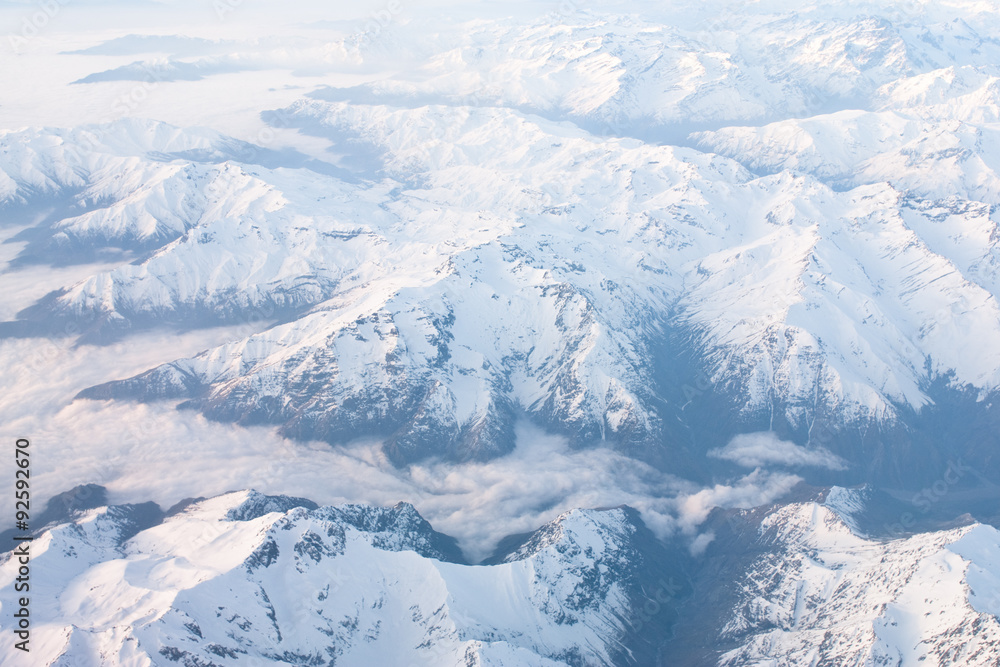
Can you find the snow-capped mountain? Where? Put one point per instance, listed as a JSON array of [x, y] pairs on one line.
[[709, 250], [803, 588], [795, 300], [251, 579], [473, 259]]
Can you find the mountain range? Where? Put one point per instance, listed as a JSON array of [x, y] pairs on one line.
[[728, 244]]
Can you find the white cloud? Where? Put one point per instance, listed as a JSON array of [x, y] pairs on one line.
[[757, 488], [155, 452], [700, 543], [755, 450]]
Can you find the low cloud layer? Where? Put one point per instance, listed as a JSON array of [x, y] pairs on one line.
[[155, 452], [763, 449]]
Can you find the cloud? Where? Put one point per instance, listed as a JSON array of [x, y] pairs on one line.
[[758, 488], [155, 452], [700, 543], [756, 450]]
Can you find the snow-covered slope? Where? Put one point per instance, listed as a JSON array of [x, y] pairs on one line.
[[715, 236], [250, 579], [794, 585], [128, 185], [778, 286], [497, 231]]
